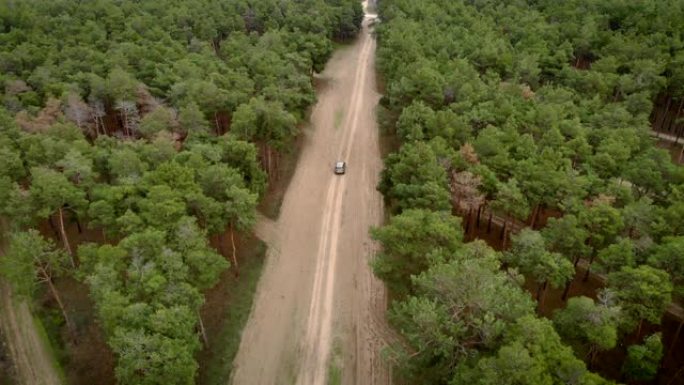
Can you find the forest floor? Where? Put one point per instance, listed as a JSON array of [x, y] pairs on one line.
[[33, 361], [318, 308], [226, 310]]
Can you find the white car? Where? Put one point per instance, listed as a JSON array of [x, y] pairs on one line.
[[340, 167]]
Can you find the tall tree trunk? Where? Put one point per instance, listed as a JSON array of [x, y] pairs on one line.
[[97, 129], [504, 234], [593, 352], [674, 340], [268, 161], [678, 131], [100, 130], [665, 124], [675, 376], [220, 242], [539, 290], [673, 119], [638, 333], [533, 220], [676, 119], [566, 290], [541, 294], [479, 213], [202, 330], [53, 227], [125, 122], [215, 46], [78, 224], [65, 239], [274, 163], [591, 262], [489, 223], [55, 294], [104, 128], [468, 220], [657, 112], [540, 214], [218, 126], [262, 157], [659, 125], [234, 255]]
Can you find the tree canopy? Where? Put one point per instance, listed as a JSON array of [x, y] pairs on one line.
[[156, 125], [539, 114]]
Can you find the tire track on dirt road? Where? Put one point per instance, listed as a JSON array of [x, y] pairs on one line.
[[32, 359], [317, 290], [318, 341]]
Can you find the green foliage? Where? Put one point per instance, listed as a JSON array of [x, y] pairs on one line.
[[669, 256], [51, 190], [191, 119], [603, 223], [460, 305], [412, 242], [555, 99], [165, 77], [643, 361], [531, 353], [510, 201], [238, 305], [161, 119], [587, 326], [108, 52], [529, 254], [31, 259], [565, 235], [146, 291], [617, 255], [155, 358], [264, 122], [643, 293], [414, 178]]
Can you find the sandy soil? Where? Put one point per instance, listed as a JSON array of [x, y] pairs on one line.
[[318, 305], [31, 358]]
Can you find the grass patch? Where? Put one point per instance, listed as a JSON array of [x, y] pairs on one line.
[[49, 333], [7, 371], [338, 44], [226, 312], [335, 375], [335, 364], [339, 115]]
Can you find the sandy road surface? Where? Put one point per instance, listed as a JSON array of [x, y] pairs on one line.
[[318, 304], [30, 356]]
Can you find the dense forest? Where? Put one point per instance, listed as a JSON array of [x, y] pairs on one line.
[[535, 118], [151, 126]]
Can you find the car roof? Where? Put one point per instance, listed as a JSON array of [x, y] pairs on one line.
[[339, 163]]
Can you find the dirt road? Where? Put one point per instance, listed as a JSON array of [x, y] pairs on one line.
[[31, 358], [319, 310]]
